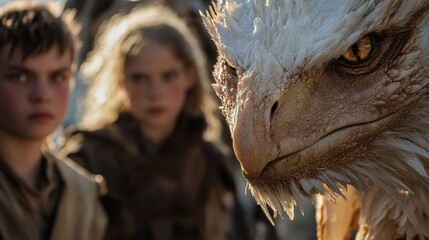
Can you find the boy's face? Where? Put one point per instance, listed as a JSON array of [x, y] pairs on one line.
[[33, 93]]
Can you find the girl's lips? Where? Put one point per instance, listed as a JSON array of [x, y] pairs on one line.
[[40, 117], [156, 110]]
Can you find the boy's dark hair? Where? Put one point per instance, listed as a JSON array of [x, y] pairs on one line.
[[35, 28]]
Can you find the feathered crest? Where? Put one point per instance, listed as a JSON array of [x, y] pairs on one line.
[[298, 33]]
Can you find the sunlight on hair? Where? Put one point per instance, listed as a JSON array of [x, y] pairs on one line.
[[114, 35], [59, 3], [104, 71]]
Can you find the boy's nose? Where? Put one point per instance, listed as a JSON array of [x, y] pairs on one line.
[[40, 92]]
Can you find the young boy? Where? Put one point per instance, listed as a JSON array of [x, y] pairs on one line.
[[40, 197]]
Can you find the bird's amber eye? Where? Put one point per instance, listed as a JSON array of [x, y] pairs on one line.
[[360, 51]]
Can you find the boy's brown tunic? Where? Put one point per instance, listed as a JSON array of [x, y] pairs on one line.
[[65, 206], [178, 190]]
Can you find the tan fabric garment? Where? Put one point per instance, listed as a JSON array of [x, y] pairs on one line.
[[338, 220], [64, 207]]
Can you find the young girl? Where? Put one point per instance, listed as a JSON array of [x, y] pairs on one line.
[[149, 127]]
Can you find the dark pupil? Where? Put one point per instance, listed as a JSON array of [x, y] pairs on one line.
[[355, 50]]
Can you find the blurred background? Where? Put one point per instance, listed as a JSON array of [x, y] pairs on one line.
[[92, 13]]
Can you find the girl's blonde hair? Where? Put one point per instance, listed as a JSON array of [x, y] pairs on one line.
[[124, 36]]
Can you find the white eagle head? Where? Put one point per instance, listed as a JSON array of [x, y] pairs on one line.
[[320, 94]]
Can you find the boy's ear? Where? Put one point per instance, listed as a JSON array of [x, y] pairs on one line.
[[192, 77], [72, 83]]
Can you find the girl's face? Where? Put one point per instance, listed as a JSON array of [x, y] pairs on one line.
[[156, 83]]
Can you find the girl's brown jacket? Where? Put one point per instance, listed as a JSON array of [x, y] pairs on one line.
[[181, 189]]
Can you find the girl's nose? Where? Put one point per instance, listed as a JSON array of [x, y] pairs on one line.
[[155, 90]]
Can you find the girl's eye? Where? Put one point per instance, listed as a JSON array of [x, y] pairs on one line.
[[170, 75], [18, 77], [138, 78]]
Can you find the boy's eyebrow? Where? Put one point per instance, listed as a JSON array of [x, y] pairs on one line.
[[19, 69], [27, 70], [63, 69]]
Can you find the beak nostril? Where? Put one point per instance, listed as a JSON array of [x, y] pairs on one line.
[[273, 110]]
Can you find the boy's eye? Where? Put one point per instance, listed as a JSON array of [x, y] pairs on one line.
[[60, 77], [18, 77]]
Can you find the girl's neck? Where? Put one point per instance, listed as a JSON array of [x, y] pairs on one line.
[[156, 135], [23, 156]]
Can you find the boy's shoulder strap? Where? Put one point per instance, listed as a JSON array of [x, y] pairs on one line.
[[75, 174], [78, 210]]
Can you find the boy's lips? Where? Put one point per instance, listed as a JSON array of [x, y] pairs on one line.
[[40, 117]]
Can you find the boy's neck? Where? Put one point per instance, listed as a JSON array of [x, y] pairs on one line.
[[23, 157]]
